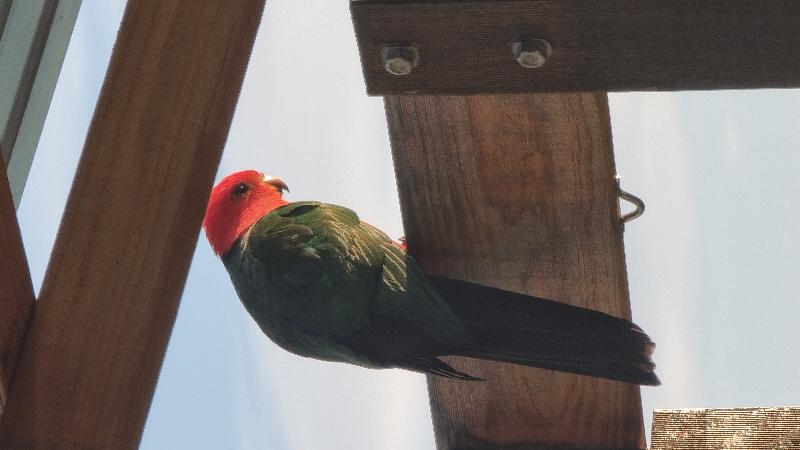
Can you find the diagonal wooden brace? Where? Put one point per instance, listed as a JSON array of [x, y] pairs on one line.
[[90, 361], [16, 290]]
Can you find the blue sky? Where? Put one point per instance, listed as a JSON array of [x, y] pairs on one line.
[[712, 263]]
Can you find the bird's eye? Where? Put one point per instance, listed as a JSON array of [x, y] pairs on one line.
[[241, 189]]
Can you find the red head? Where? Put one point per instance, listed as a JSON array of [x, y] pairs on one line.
[[236, 203]]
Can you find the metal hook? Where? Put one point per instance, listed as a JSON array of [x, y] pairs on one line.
[[633, 200]]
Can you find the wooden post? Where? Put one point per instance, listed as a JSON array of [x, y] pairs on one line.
[[95, 345], [518, 192], [16, 290]]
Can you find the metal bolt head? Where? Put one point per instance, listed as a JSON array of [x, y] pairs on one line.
[[400, 59], [531, 53]]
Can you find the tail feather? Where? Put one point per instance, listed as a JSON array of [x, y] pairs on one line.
[[520, 329]]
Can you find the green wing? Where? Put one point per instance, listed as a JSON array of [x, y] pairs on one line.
[[323, 284]]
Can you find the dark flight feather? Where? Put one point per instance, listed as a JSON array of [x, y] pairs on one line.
[[522, 329]]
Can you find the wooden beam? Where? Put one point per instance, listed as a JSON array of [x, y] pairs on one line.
[[34, 35], [109, 298], [518, 192], [465, 47], [750, 428], [5, 7], [16, 290]]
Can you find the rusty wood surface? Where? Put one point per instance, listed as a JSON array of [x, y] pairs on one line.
[[729, 428], [598, 45], [108, 302], [16, 290], [518, 192]]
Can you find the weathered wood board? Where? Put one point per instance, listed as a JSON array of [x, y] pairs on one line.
[[465, 47], [728, 428]]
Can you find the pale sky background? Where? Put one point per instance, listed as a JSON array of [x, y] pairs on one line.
[[712, 264]]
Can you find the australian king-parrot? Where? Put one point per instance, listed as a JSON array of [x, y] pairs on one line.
[[323, 284]]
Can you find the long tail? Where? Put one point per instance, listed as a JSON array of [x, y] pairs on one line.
[[530, 331]]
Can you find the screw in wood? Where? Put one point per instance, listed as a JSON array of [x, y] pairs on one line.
[[531, 53], [400, 59]]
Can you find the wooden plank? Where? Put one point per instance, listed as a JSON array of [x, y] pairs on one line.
[[730, 428], [597, 45], [518, 192], [32, 50], [5, 7], [16, 290], [106, 308], [21, 44]]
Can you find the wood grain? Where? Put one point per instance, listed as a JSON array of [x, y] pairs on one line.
[[598, 45], [110, 295], [16, 290], [729, 428], [518, 192]]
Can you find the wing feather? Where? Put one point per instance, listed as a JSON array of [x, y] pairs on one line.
[[320, 283]]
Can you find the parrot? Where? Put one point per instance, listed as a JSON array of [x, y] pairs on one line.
[[321, 283]]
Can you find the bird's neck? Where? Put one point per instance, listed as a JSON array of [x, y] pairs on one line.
[[223, 232]]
